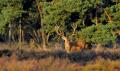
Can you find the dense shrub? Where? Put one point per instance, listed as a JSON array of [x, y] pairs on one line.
[[102, 34]]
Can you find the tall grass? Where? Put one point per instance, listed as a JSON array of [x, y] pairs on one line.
[[52, 64], [51, 60]]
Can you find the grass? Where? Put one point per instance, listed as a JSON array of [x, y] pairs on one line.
[[102, 65], [52, 60], [52, 64]]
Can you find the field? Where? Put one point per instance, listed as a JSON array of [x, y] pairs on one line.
[[59, 35], [103, 59]]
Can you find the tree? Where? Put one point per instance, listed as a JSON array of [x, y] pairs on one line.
[[114, 11], [10, 10], [15, 13], [73, 16], [99, 34], [64, 13]]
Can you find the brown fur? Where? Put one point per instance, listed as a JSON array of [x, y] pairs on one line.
[[69, 47]]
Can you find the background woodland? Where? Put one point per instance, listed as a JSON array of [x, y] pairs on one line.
[[95, 21]]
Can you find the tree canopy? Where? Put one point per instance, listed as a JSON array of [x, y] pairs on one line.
[[95, 20]]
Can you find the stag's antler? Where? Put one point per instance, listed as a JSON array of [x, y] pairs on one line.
[[58, 31], [68, 46], [67, 42], [74, 27]]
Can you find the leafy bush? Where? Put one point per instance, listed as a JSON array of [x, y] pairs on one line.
[[99, 34], [114, 12]]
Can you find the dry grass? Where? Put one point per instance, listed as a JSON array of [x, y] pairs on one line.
[[103, 65], [52, 64], [52, 60]]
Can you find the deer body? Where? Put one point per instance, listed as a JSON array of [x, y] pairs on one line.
[[69, 47]]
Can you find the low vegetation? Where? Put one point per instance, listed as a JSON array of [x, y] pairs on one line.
[[51, 60], [63, 35], [53, 64]]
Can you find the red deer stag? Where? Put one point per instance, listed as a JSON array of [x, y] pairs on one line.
[[69, 46]]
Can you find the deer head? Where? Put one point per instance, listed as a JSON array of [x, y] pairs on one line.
[[61, 34], [67, 42], [74, 27], [68, 46]]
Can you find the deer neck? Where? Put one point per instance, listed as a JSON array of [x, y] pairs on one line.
[[67, 44]]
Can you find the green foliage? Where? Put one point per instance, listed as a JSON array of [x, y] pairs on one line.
[[114, 12], [102, 34], [63, 13], [10, 10], [11, 2]]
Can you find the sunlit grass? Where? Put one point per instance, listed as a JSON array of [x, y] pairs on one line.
[[52, 64], [85, 61]]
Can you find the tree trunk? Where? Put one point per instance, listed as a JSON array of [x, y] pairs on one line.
[[36, 36], [43, 33], [43, 40], [114, 45], [20, 36], [96, 22], [10, 34], [39, 9], [47, 39], [109, 17]]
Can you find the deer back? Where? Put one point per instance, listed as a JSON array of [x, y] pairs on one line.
[[80, 44]]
